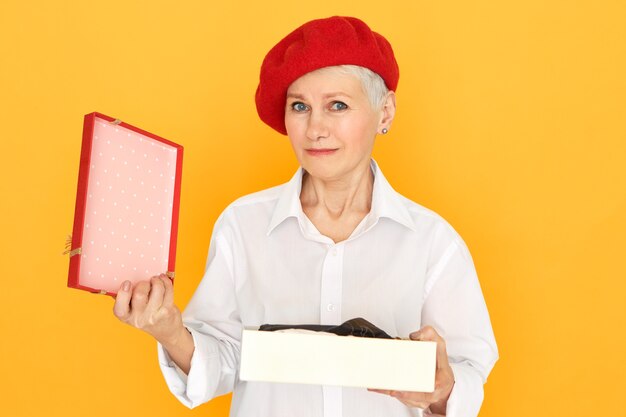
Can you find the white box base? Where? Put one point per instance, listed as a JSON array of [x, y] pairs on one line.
[[320, 358]]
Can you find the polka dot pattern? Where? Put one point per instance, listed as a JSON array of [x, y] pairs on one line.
[[129, 204]]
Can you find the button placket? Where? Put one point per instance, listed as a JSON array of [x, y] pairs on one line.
[[331, 285], [330, 313]]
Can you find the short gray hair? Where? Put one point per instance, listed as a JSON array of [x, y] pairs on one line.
[[373, 85]]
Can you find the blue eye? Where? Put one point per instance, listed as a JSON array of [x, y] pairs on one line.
[[338, 105], [299, 107]]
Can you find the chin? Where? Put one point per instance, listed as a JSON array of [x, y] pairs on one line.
[[326, 171], [319, 170]]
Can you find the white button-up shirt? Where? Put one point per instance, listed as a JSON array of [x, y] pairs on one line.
[[402, 268]]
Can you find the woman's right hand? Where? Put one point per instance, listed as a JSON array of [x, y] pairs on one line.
[[149, 306]]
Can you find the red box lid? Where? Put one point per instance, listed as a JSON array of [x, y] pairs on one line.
[[127, 206]]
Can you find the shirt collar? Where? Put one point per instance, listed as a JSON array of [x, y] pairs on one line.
[[288, 204], [386, 202]]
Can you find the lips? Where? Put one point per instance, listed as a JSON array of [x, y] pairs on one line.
[[320, 152]]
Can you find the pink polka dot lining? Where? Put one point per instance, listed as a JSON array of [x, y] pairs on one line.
[[128, 208]]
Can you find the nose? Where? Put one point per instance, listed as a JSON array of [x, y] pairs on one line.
[[317, 126]]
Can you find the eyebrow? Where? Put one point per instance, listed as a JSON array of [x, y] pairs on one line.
[[327, 95]]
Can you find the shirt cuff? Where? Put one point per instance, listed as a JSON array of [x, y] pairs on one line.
[[194, 388], [467, 393]]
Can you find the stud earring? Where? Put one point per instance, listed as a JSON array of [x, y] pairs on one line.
[[385, 130]]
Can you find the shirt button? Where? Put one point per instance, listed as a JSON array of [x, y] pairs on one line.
[[334, 251], [330, 307]]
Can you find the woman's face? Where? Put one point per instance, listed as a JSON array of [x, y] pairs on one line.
[[331, 124]]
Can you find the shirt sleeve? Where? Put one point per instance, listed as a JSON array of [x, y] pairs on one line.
[[213, 320], [455, 307]]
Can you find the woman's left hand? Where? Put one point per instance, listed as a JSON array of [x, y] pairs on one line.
[[444, 378]]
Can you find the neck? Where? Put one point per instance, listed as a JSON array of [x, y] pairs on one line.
[[340, 196]]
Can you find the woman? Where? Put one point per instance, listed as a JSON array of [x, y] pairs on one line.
[[334, 243]]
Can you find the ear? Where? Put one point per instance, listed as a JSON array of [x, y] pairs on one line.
[[387, 112]]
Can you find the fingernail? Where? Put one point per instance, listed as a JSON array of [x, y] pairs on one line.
[[126, 286]]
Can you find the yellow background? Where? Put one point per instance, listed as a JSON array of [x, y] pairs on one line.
[[511, 124]]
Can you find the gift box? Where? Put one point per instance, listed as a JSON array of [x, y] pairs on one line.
[[327, 359], [127, 205]]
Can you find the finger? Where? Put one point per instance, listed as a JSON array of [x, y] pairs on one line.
[[413, 399], [411, 396], [380, 391], [410, 399], [168, 297], [157, 289], [412, 404], [428, 333], [121, 308], [139, 298]]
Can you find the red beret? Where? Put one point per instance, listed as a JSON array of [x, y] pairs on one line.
[[316, 44]]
